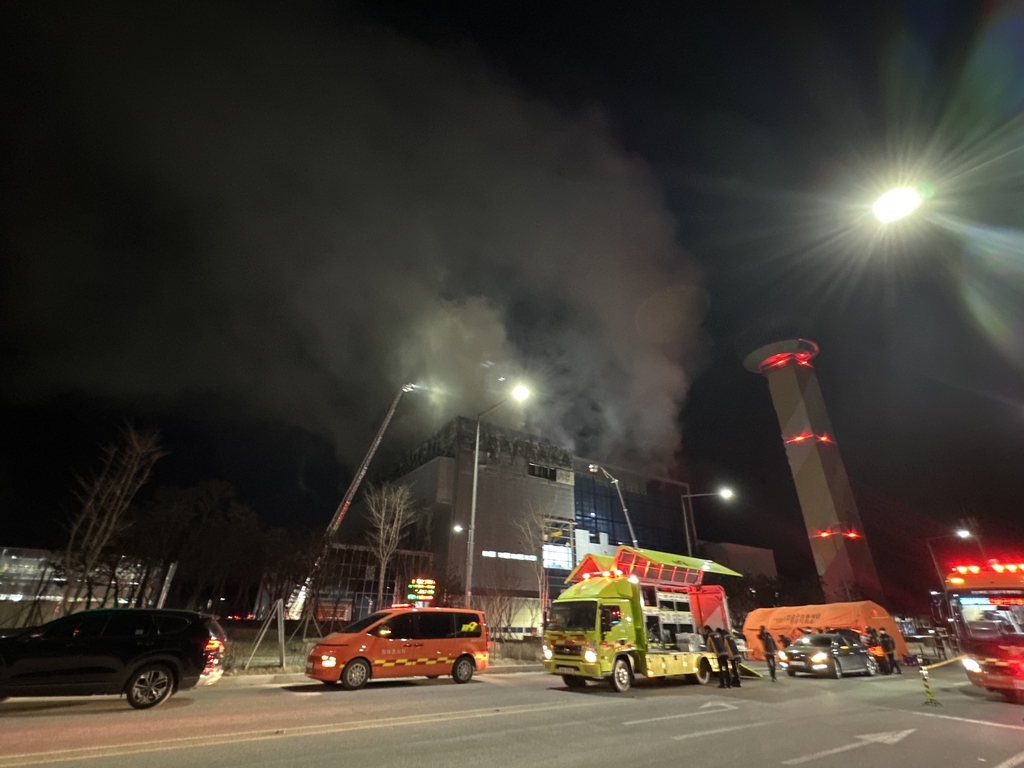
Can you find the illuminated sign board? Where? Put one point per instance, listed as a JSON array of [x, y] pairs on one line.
[[421, 591]]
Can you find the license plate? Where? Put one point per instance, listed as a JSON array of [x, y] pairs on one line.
[[566, 670]]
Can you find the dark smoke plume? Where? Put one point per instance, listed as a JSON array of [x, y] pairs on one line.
[[299, 218]]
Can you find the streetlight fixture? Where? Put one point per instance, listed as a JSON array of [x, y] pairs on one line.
[[896, 204], [689, 524], [519, 393], [457, 528]]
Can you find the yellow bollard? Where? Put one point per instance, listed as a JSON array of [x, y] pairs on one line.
[[929, 698]]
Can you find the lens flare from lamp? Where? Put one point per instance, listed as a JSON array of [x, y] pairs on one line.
[[896, 203], [520, 393]]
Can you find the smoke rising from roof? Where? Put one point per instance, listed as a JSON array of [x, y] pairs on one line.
[[300, 219]]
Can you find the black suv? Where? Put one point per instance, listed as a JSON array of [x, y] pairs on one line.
[[145, 654]]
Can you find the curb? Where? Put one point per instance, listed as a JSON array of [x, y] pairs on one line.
[[249, 681], [291, 678], [512, 669]]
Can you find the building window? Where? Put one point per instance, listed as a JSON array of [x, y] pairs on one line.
[[558, 557], [508, 555], [546, 473]]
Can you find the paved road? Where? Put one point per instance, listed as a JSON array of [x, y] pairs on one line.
[[529, 719]]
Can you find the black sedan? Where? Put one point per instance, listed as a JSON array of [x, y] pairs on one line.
[[833, 655], [146, 655]]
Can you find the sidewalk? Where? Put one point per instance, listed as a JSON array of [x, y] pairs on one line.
[[242, 679]]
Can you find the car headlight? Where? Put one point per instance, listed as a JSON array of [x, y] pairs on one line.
[[328, 662], [819, 657], [971, 665], [783, 656], [590, 656], [547, 652]]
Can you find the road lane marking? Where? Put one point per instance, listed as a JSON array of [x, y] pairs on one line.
[[1011, 762], [723, 730], [888, 737], [704, 710], [963, 719], [91, 753]]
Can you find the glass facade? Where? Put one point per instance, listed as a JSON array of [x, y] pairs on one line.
[[656, 512]]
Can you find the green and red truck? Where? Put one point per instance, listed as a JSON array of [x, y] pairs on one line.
[[638, 613]]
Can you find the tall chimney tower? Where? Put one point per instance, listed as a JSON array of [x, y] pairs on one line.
[[834, 528]]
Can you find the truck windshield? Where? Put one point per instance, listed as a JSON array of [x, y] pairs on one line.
[[578, 616], [997, 617]]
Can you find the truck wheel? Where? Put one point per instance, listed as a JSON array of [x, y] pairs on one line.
[[462, 672], [355, 674], [622, 676], [571, 681], [703, 674]]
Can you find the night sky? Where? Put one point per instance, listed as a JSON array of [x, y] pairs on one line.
[[247, 225]]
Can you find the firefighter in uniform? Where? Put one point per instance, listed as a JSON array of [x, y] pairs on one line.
[[716, 641]]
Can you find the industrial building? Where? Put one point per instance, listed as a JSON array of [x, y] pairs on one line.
[[523, 478]]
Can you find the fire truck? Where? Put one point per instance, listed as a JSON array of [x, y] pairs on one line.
[[638, 613], [986, 603]]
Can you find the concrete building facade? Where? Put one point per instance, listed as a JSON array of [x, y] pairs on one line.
[[519, 475]]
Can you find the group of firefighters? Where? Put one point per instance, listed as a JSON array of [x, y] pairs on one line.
[[880, 645]]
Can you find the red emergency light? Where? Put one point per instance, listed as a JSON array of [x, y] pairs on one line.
[[997, 567]]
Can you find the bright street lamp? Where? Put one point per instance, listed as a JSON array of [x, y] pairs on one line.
[[896, 203], [519, 393], [963, 533], [688, 520], [457, 528]]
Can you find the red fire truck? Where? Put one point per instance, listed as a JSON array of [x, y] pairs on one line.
[[986, 604]]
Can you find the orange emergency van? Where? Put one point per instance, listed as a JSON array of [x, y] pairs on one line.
[[403, 642]]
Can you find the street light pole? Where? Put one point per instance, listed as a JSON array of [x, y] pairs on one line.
[[962, 533], [691, 524], [935, 560], [519, 393]]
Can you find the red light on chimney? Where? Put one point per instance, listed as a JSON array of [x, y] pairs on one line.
[[824, 439], [852, 535], [823, 534]]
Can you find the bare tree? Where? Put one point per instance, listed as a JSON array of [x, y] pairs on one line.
[[391, 511], [105, 498], [500, 602], [531, 536]]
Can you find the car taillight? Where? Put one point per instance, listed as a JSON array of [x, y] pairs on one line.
[[213, 644]]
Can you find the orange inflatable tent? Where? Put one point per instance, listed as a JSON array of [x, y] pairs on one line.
[[789, 620]]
